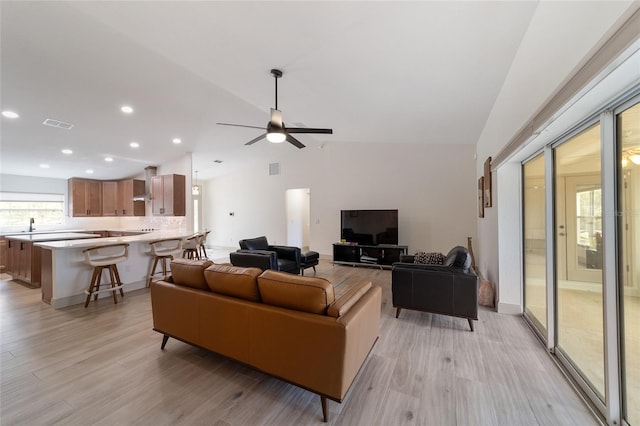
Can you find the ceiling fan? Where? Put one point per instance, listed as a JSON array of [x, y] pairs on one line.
[[276, 131]]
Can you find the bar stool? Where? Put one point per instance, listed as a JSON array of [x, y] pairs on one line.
[[202, 244], [162, 250], [191, 247], [105, 257]]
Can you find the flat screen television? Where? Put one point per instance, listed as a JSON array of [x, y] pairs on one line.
[[369, 227]]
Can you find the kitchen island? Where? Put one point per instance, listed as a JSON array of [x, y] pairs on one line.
[[23, 258], [65, 276]]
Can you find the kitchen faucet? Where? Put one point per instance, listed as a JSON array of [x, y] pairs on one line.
[[31, 222]]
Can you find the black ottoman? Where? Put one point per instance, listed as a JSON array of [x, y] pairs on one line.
[[308, 259]]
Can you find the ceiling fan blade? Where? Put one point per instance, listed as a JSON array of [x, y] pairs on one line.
[[308, 130], [276, 118], [252, 141], [240, 125], [295, 142]]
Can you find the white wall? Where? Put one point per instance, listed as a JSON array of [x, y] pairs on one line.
[[561, 37], [432, 186]]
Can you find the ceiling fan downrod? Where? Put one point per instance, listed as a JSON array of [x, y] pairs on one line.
[[276, 73]]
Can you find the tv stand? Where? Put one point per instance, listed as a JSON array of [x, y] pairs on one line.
[[381, 255]]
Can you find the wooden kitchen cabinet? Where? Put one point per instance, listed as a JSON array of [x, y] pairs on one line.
[[12, 250], [168, 195], [110, 198], [24, 261], [3, 254], [85, 197], [117, 198], [127, 189], [19, 259]]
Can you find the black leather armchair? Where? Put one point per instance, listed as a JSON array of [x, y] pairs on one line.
[[256, 252], [448, 289]]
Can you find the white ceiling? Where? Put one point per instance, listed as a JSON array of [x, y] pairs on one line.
[[375, 72]]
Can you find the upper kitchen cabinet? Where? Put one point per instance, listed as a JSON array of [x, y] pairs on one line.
[[110, 198], [85, 197], [168, 195], [89, 197], [127, 189]]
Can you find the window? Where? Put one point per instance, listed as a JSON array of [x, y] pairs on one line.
[[17, 208]]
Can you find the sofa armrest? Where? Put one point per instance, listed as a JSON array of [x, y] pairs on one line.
[[287, 252], [342, 305], [262, 259]]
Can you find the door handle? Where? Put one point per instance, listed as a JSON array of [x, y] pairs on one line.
[[561, 234]]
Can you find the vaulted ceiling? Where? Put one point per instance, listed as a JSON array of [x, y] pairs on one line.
[[375, 72]]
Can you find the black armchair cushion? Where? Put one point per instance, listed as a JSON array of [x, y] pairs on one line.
[[259, 243], [458, 257]]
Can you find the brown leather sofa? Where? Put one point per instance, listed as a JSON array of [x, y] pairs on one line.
[[289, 326]]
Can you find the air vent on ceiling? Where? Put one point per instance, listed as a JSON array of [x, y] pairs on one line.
[[217, 161], [56, 123], [274, 169]]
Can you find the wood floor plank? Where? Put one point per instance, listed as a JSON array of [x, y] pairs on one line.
[[103, 365]]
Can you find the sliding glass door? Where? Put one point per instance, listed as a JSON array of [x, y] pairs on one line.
[[535, 270], [628, 135], [579, 254], [581, 273]]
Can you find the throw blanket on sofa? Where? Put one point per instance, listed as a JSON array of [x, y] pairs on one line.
[[429, 258]]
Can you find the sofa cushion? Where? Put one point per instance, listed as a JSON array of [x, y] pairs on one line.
[[307, 294], [233, 281], [458, 257], [190, 273]]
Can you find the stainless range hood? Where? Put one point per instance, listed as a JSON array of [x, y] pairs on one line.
[[149, 172]]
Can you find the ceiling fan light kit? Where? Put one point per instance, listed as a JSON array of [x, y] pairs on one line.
[[276, 137], [276, 131]]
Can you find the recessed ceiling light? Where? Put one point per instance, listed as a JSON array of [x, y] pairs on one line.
[[67, 151], [108, 159], [126, 109], [44, 166], [10, 114], [89, 171], [134, 144], [177, 140]]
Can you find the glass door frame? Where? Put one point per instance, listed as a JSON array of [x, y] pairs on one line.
[[618, 261], [565, 361], [536, 326]]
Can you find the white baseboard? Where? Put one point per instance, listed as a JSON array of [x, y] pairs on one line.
[[509, 309]]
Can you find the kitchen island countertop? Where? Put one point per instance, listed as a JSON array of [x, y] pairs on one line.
[[144, 238], [56, 236]]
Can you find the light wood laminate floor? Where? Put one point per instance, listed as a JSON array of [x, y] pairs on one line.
[[103, 365]]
